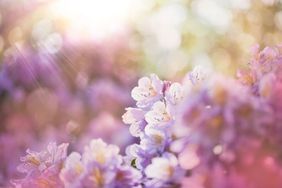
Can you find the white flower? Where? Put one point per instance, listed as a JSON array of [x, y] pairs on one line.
[[148, 91], [72, 170], [40, 161], [137, 129], [162, 168], [160, 115], [133, 115], [56, 153], [153, 139], [101, 153], [199, 74], [175, 94], [195, 79]]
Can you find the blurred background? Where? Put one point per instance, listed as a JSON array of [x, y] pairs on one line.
[[68, 66]]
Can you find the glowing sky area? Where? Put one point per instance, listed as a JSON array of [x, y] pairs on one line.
[[95, 17]]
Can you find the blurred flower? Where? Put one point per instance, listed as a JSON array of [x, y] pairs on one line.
[[100, 166], [175, 94], [73, 168], [101, 153], [42, 168]]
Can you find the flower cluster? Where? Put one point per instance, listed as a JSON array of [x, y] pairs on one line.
[[151, 121], [234, 125], [264, 78], [47, 98], [263, 75], [42, 168], [222, 113], [210, 131], [100, 165]]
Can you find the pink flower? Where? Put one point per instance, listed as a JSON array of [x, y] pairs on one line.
[[42, 168]]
